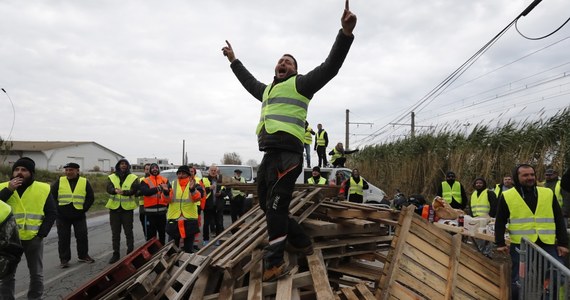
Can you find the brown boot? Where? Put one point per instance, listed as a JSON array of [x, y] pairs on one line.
[[275, 272]]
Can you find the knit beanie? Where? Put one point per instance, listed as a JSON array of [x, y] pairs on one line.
[[25, 162]]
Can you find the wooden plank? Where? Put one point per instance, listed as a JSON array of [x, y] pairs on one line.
[[285, 286], [320, 277], [453, 266], [255, 280], [364, 292], [406, 222], [227, 288], [201, 284], [349, 293]]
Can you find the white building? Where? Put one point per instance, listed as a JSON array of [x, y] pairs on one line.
[[53, 156]]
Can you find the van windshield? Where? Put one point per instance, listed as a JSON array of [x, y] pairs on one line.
[[228, 171]]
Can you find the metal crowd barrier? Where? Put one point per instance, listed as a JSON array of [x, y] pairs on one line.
[[541, 275]]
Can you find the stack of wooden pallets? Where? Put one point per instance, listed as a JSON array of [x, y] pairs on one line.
[[361, 252]]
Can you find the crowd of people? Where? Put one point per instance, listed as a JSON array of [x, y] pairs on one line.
[[168, 209], [531, 209]]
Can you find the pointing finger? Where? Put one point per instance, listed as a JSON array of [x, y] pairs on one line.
[[346, 5], [229, 45]]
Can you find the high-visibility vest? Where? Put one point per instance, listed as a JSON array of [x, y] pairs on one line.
[[321, 138], [558, 193], [126, 202], [308, 135], [159, 198], [65, 196], [140, 199], [497, 190], [480, 204], [284, 109], [182, 204], [532, 226], [236, 192], [5, 211], [336, 154], [356, 188], [322, 180], [451, 191], [29, 209]]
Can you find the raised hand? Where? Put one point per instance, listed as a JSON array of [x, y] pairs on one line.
[[229, 52], [348, 20]]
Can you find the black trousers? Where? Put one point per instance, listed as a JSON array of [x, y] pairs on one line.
[[339, 162], [156, 223], [236, 207], [276, 178], [190, 229], [79, 225], [322, 153], [120, 218]]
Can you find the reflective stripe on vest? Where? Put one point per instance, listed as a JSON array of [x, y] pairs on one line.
[[65, 196], [524, 223], [126, 202], [322, 180], [308, 135], [284, 109], [356, 188], [451, 191], [29, 209], [321, 138], [480, 204], [181, 205], [158, 198]]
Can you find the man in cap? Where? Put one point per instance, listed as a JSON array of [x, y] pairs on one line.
[[182, 215], [553, 182], [156, 192], [122, 187], [35, 212], [317, 178], [354, 187], [238, 197], [74, 196], [280, 134], [452, 191]]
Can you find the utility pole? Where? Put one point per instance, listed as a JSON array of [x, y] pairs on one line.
[[347, 129], [183, 151], [413, 124]]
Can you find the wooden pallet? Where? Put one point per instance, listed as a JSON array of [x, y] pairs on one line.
[[426, 262]]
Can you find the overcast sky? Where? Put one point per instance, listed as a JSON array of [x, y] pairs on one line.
[[139, 77]]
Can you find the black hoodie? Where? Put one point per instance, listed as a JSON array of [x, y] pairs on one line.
[[530, 197]]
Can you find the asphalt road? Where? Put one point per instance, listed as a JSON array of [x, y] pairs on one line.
[[61, 282]]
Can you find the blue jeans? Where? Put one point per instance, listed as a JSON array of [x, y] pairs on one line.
[[34, 252], [308, 154]]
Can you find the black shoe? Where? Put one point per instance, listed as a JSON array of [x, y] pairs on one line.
[[307, 250], [196, 248], [64, 264], [87, 259], [114, 259]]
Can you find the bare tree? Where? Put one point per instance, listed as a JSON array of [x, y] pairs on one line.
[[231, 159]]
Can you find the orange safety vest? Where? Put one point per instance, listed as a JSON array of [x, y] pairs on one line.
[[158, 198]]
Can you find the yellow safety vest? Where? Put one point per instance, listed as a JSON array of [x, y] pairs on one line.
[[356, 188], [480, 204], [284, 109], [140, 198], [451, 191], [236, 192], [5, 211], [29, 209], [321, 138], [126, 202], [524, 223], [308, 136], [65, 196], [336, 154], [322, 180], [558, 193], [181, 205]]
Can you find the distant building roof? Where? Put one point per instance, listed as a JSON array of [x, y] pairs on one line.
[[47, 145]]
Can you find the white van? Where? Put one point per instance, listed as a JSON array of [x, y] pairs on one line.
[[170, 174], [373, 194]]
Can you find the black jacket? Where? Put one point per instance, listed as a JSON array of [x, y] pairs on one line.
[[307, 85]]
